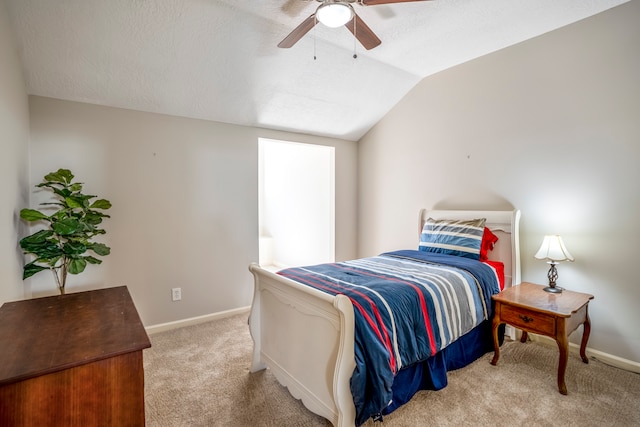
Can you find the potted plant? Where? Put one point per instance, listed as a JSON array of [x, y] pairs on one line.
[[64, 246]]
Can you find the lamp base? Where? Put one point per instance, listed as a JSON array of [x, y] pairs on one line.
[[552, 275]]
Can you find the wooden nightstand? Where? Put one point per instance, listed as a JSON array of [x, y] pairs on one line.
[[527, 307]]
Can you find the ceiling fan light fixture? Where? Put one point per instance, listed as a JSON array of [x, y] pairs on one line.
[[334, 14]]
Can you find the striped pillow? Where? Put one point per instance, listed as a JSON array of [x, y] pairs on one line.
[[451, 237]]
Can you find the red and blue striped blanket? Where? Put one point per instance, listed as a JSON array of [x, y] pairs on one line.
[[408, 305]]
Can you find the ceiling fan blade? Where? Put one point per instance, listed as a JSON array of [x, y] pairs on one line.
[[363, 33], [375, 2], [298, 32]]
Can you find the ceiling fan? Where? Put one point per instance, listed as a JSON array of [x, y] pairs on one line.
[[336, 13]]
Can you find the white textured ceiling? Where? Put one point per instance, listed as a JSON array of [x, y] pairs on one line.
[[218, 60]]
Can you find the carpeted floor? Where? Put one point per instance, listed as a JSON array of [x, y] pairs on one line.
[[199, 376]]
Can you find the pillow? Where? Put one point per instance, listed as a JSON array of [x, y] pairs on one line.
[[488, 241], [451, 237], [498, 267]]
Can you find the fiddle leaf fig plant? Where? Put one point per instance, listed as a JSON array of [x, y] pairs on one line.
[[66, 244]]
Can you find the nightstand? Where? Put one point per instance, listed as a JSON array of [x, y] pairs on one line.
[[528, 307]]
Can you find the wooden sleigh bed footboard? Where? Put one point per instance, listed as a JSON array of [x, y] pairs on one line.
[[306, 338]]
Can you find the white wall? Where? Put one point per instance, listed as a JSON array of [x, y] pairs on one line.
[[14, 147], [550, 126], [185, 201], [297, 213]]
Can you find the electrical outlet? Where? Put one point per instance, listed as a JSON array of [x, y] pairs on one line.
[[176, 294]]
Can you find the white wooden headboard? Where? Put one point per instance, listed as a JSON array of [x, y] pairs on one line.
[[504, 224]]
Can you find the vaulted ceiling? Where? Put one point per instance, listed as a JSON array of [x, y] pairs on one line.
[[218, 59]]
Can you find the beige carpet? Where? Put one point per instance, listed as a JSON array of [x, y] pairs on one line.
[[199, 376]]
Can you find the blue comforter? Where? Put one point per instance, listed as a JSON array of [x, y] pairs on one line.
[[408, 305]]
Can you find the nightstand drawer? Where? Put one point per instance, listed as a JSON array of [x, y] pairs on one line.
[[528, 320]]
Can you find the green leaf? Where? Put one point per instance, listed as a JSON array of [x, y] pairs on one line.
[[47, 250], [61, 214], [74, 214], [31, 269], [92, 260], [89, 229], [66, 226], [61, 192], [74, 248], [100, 249], [101, 204], [76, 187], [51, 261], [50, 185], [52, 177], [93, 217], [77, 265], [74, 202], [32, 215], [37, 238], [61, 175]]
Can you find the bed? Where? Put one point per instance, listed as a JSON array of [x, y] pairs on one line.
[[310, 336]]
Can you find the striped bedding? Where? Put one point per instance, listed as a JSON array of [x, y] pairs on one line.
[[408, 305]]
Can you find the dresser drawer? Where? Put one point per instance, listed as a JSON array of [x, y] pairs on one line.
[[528, 320]]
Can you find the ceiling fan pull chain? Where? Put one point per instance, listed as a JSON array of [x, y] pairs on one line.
[[314, 37], [355, 38]]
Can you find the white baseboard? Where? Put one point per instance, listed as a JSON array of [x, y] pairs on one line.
[[162, 327], [609, 359]]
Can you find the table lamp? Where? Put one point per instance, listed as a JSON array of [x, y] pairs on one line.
[[553, 250]]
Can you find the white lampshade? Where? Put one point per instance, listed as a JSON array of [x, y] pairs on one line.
[[553, 249], [334, 14]]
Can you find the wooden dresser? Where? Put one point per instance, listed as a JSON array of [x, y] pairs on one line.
[[72, 360]]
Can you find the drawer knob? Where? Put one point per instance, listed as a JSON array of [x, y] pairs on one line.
[[526, 319]]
